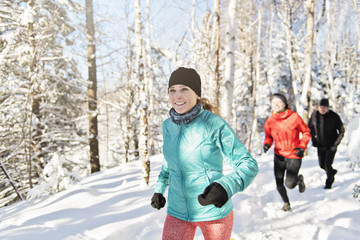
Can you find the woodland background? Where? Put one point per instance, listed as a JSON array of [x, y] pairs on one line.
[[84, 83]]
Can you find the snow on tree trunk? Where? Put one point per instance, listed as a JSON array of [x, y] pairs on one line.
[[356, 69], [150, 78], [305, 99], [217, 54], [256, 80], [331, 52], [193, 19], [143, 138], [229, 61], [35, 127], [128, 113], [356, 8], [92, 89]]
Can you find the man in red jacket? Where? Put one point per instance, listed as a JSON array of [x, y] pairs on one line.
[[284, 127]]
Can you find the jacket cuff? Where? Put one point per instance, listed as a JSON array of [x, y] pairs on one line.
[[225, 186], [160, 189]]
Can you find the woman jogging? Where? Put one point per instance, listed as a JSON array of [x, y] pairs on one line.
[[196, 141], [284, 127]]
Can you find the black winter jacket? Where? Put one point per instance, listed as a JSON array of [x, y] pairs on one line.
[[326, 130]]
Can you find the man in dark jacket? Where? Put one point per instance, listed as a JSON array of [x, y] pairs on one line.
[[327, 130]]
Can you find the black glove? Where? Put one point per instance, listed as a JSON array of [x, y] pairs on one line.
[[299, 152], [266, 147], [333, 148], [314, 143], [158, 201], [213, 194]]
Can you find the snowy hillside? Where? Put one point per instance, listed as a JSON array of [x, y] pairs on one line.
[[114, 205]]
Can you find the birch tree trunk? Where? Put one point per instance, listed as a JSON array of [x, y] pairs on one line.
[[217, 54], [150, 77], [254, 125], [357, 56], [230, 61], [251, 78], [330, 51], [107, 123], [92, 89], [269, 49], [126, 113], [305, 99], [143, 139], [193, 20], [35, 110]]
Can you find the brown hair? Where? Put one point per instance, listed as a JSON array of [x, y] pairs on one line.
[[208, 106]]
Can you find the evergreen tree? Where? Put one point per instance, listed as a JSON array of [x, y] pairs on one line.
[[41, 97]]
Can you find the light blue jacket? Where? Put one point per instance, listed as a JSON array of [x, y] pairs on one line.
[[193, 159]]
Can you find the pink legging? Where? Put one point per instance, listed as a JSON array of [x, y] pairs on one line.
[[176, 229]]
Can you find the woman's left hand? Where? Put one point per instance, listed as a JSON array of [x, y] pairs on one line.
[[299, 152], [213, 194]]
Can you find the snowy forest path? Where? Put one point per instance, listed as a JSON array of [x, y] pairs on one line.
[[316, 214], [115, 204]]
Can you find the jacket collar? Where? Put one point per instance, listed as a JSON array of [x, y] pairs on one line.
[[282, 115], [186, 117]]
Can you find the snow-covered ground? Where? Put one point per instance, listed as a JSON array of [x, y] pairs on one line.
[[115, 204]]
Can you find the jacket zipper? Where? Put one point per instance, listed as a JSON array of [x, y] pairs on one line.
[[181, 170]]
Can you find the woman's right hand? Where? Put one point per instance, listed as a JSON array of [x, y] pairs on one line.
[[158, 201], [214, 194]]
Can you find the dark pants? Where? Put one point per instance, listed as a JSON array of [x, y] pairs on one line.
[[291, 167], [326, 159]]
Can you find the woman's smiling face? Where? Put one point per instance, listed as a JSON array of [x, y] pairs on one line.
[[277, 105], [182, 98]]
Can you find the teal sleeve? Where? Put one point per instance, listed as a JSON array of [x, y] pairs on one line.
[[163, 179], [245, 167]]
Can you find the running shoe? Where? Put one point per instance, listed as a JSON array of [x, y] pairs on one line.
[[286, 207], [301, 183]]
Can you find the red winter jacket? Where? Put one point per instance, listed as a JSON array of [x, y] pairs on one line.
[[284, 129]]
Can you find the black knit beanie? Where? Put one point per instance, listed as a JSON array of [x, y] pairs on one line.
[[324, 102], [281, 97], [188, 77]]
